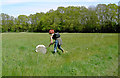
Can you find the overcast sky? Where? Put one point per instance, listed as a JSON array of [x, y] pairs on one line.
[[27, 7]]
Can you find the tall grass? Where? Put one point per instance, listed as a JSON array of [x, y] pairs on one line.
[[0, 55], [88, 55]]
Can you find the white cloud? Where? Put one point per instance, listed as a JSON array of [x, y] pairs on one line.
[[6, 2], [91, 0]]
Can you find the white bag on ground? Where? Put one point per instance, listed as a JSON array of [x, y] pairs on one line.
[[41, 48]]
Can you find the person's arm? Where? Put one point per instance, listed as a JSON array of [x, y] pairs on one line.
[[51, 41]]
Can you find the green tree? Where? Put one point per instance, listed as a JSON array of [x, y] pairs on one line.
[[102, 18], [91, 20]]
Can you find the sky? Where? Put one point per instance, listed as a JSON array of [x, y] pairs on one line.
[[27, 7]]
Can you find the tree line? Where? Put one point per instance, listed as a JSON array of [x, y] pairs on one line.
[[101, 19]]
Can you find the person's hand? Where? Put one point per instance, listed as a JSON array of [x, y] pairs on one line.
[[50, 44]]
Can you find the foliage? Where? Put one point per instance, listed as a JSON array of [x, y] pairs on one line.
[[102, 18]]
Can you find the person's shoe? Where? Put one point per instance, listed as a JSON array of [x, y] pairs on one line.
[[63, 51]]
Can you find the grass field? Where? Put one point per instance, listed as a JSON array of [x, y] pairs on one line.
[[0, 55], [89, 54]]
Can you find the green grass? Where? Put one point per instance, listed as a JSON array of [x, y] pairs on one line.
[[89, 54], [0, 55]]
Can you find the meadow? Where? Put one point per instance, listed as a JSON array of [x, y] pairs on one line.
[[88, 54], [0, 55]]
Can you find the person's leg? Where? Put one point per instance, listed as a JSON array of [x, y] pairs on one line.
[[59, 46], [55, 46]]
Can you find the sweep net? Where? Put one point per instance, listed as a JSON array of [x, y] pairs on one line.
[[41, 48]]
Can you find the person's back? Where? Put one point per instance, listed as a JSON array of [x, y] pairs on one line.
[[56, 35]]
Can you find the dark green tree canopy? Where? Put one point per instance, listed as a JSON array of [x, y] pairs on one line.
[[100, 18]]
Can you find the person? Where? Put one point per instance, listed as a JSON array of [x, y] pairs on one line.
[[57, 42]]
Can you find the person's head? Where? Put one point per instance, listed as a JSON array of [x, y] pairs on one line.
[[51, 31]]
